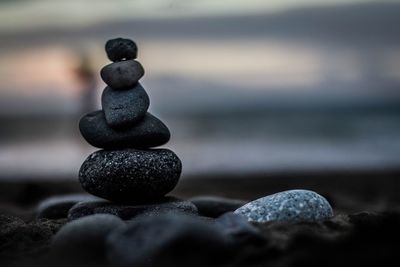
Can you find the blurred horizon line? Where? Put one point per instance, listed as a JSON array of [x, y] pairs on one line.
[[359, 23]]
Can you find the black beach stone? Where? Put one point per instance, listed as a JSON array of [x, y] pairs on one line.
[[240, 230], [83, 240], [148, 132], [168, 240], [124, 107], [122, 74], [214, 206], [130, 175], [131, 211], [57, 207], [121, 48]]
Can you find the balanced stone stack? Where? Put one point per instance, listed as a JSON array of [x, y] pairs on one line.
[[126, 170]]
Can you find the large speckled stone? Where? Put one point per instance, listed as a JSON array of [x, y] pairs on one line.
[[130, 211], [123, 74], [288, 206], [130, 175], [124, 107], [121, 48], [148, 132]]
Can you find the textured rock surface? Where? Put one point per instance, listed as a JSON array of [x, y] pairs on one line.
[[124, 107], [213, 206], [123, 74], [148, 132], [120, 48], [20, 240], [83, 240], [168, 240], [288, 206], [57, 207], [127, 212], [130, 175]]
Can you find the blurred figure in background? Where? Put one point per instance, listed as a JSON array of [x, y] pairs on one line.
[[87, 78]]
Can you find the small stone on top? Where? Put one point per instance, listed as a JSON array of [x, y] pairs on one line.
[[121, 49]]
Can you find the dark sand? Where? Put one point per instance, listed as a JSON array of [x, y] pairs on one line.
[[364, 232]]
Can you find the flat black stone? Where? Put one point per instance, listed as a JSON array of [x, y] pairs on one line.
[[124, 107], [148, 132], [120, 48], [213, 206], [130, 175], [57, 207], [130, 211], [122, 74]]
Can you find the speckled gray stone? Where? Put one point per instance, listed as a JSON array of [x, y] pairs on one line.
[[57, 207], [123, 74], [288, 206], [121, 48], [130, 175], [148, 132], [130, 211], [124, 107]]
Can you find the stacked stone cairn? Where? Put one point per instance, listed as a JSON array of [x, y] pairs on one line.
[[133, 177], [128, 170]]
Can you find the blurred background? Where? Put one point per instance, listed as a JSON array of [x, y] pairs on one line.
[[246, 87]]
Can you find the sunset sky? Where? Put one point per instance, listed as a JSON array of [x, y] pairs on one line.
[[45, 64]]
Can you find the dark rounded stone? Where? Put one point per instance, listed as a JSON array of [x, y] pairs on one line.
[[213, 206], [148, 132], [57, 207], [130, 211], [130, 175], [120, 48], [83, 241], [124, 107], [240, 230], [123, 74], [168, 240]]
